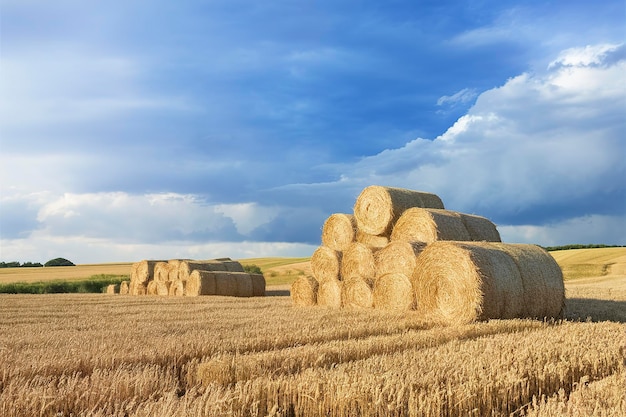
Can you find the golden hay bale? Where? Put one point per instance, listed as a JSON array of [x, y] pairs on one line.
[[358, 260], [338, 231], [356, 293], [225, 284], [163, 287], [461, 282], [162, 271], [377, 208], [542, 280], [174, 267], [480, 228], [326, 264], [398, 257], [151, 288], [143, 271], [258, 285], [124, 288], [185, 268], [393, 292], [177, 288], [112, 289], [233, 266], [200, 283], [139, 289], [304, 291], [373, 241], [329, 293], [428, 225], [243, 282]]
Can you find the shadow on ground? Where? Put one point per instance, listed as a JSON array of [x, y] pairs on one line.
[[591, 309], [277, 293]]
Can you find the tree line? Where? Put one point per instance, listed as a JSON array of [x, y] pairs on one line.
[[51, 262]]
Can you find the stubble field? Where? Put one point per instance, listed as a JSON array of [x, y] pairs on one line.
[[99, 355]]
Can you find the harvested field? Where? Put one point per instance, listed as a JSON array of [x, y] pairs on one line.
[[99, 355]]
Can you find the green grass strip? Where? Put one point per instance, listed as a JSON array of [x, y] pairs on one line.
[[93, 284]]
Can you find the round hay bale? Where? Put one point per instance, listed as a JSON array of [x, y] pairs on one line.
[[233, 266], [144, 271], [163, 287], [329, 293], [358, 260], [151, 288], [393, 292], [542, 280], [225, 284], [185, 268], [398, 257], [243, 283], [162, 271], [428, 225], [138, 288], [377, 208], [372, 241], [338, 231], [461, 282], [124, 288], [174, 266], [112, 289], [177, 288], [258, 285], [480, 228], [326, 264], [304, 291], [356, 293], [200, 283]]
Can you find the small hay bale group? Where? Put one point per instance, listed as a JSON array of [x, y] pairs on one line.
[[402, 250], [191, 278]]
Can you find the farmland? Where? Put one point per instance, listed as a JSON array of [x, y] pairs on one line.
[[99, 355]]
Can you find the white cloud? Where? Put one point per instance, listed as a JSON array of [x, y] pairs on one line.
[[464, 96], [546, 146], [247, 216]]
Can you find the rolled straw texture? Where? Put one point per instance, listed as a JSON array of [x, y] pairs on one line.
[[428, 225], [111, 289], [394, 292], [338, 231], [398, 257], [200, 283], [542, 280], [162, 271], [356, 293], [151, 288], [329, 293], [163, 287], [480, 228], [232, 266], [358, 260], [185, 268], [124, 288], [377, 208], [174, 266], [258, 285], [461, 282], [304, 291], [177, 288], [243, 283], [326, 264], [225, 284], [372, 241], [144, 270]]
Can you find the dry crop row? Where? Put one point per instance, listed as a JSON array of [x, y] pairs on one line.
[[63, 355]]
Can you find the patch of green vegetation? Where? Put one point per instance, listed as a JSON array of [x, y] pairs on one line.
[[93, 284], [579, 246]]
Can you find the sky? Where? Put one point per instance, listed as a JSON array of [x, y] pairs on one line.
[[195, 129]]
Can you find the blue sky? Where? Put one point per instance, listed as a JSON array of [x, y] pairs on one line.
[[133, 130]]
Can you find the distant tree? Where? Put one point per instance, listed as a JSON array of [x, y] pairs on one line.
[[59, 262], [13, 264], [252, 269], [31, 264]]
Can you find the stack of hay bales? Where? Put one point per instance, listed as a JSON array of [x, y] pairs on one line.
[[402, 250], [187, 277]]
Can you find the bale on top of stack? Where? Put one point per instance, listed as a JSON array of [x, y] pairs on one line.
[[445, 264], [188, 277]]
